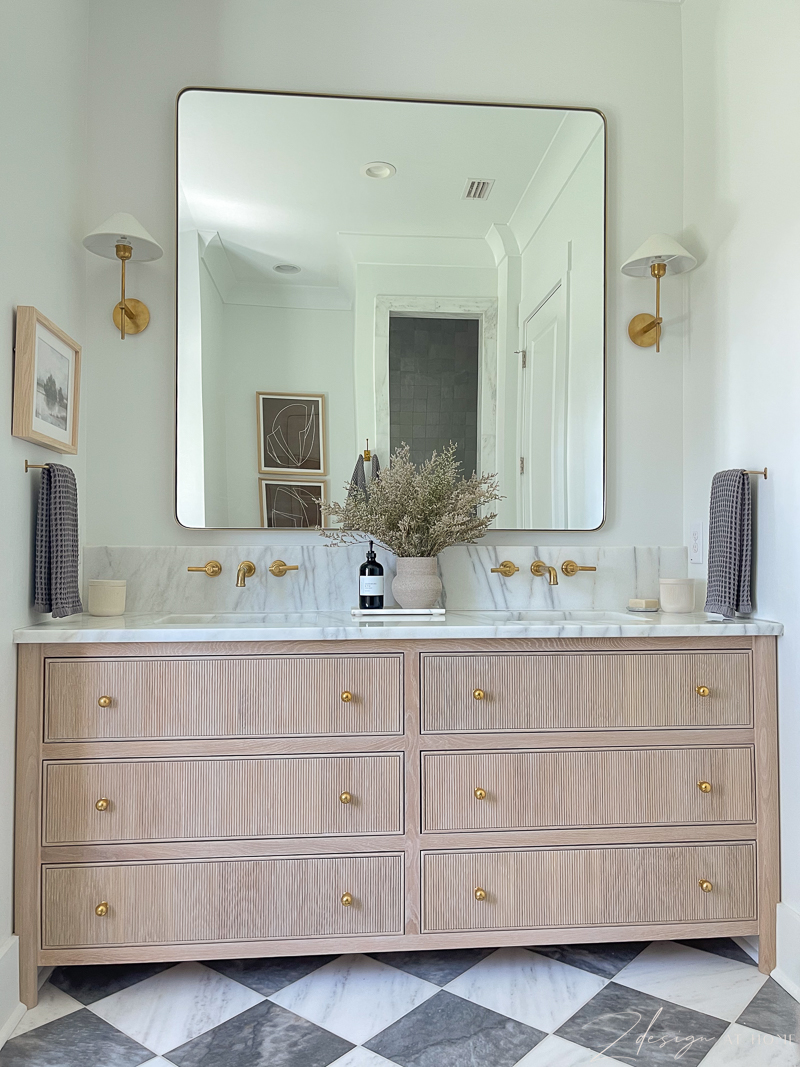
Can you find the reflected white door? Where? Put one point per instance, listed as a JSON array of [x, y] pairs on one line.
[[543, 415]]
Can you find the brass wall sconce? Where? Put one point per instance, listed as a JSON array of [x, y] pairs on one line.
[[122, 237], [658, 256]]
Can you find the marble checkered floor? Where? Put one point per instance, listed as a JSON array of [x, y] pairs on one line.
[[636, 1003]]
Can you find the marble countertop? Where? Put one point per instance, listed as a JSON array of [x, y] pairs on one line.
[[341, 626]]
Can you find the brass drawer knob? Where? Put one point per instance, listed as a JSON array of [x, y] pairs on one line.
[[479, 694], [705, 885], [480, 894], [347, 900], [104, 702], [102, 909], [347, 696], [704, 787], [345, 797], [102, 804], [479, 794], [702, 690]]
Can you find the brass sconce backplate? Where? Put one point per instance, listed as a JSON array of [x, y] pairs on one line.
[[642, 330], [136, 320]]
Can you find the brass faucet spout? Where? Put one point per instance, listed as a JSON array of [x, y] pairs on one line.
[[540, 569], [245, 570]]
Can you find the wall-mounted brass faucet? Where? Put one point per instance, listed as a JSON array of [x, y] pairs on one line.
[[245, 570], [569, 568], [540, 569], [506, 568], [278, 568]]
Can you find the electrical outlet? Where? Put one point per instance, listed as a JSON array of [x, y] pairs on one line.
[[696, 543]]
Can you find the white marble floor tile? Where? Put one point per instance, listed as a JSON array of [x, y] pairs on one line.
[[355, 996], [528, 987], [359, 1057], [556, 1052], [740, 1046], [176, 1005], [53, 1004], [700, 980]]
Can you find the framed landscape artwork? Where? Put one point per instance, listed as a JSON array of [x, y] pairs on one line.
[[47, 377], [291, 434], [291, 504]]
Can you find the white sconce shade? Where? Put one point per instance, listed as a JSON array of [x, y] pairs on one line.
[[660, 248], [658, 256], [122, 237], [122, 229]]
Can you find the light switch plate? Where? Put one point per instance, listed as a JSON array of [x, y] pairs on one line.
[[696, 543]]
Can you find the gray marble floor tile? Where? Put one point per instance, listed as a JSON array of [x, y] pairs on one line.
[[269, 975], [605, 960], [721, 946], [437, 967], [76, 1040], [88, 984], [447, 1031], [264, 1036], [638, 1029], [773, 1011]]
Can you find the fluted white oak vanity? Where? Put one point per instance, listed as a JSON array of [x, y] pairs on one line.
[[222, 788]]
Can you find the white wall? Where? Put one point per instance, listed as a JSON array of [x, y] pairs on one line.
[[742, 389], [42, 134], [619, 56]]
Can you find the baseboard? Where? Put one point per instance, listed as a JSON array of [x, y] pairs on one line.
[[11, 1010], [748, 945], [787, 971], [11, 1023]]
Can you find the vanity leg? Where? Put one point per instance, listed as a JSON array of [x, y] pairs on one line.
[[765, 692], [30, 684]]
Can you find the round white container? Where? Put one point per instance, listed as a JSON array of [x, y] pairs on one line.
[[106, 597], [676, 595]]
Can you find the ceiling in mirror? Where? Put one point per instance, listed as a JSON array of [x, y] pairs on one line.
[[404, 272]]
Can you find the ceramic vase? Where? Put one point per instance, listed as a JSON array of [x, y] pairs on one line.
[[417, 583]]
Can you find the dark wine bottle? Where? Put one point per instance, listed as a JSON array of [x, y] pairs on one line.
[[370, 583]]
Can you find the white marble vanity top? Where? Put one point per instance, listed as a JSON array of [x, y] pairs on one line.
[[341, 626]]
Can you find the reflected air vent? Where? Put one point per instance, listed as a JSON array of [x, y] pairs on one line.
[[478, 189]]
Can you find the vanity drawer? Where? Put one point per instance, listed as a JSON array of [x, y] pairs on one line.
[[584, 690], [247, 696], [188, 799], [221, 900], [623, 886], [527, 790]]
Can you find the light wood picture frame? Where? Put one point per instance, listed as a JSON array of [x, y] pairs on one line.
[[47, 379], [291, 503], [291, 434]]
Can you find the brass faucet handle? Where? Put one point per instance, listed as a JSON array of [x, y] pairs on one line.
[[569, 568], [538, 568], [278, 568], [506, 568], [213, 569]]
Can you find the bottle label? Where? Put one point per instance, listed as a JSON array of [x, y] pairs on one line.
[[371, 585]]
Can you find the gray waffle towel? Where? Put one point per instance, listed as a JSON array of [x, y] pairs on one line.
[[358, 483], [730, 544], [57, 544]]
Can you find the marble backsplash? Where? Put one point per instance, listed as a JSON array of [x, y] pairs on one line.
[[327, 578]]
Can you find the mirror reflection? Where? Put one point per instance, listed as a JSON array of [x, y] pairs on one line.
[[357, 274]]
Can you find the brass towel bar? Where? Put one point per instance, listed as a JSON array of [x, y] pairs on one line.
[[761, 474], [38, 466]]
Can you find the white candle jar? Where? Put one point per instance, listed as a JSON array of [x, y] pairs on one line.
[[106, 597], [676, 595]]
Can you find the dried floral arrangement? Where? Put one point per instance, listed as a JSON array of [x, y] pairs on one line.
[[416, 511]]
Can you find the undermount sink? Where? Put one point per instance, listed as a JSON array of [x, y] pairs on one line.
[[597, 618], [542, 618]]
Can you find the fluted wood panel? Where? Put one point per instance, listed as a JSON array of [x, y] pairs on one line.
[[587, 787], [172, 800], [575, 691], [246, 899], [247, 696], [587, 887]]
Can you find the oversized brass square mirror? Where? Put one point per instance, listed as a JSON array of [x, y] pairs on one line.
[[394, 272]]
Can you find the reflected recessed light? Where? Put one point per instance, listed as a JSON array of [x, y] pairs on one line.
[[286, 268], [378, 169]]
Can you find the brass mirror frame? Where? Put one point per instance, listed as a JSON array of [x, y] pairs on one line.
[[401, 100]]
